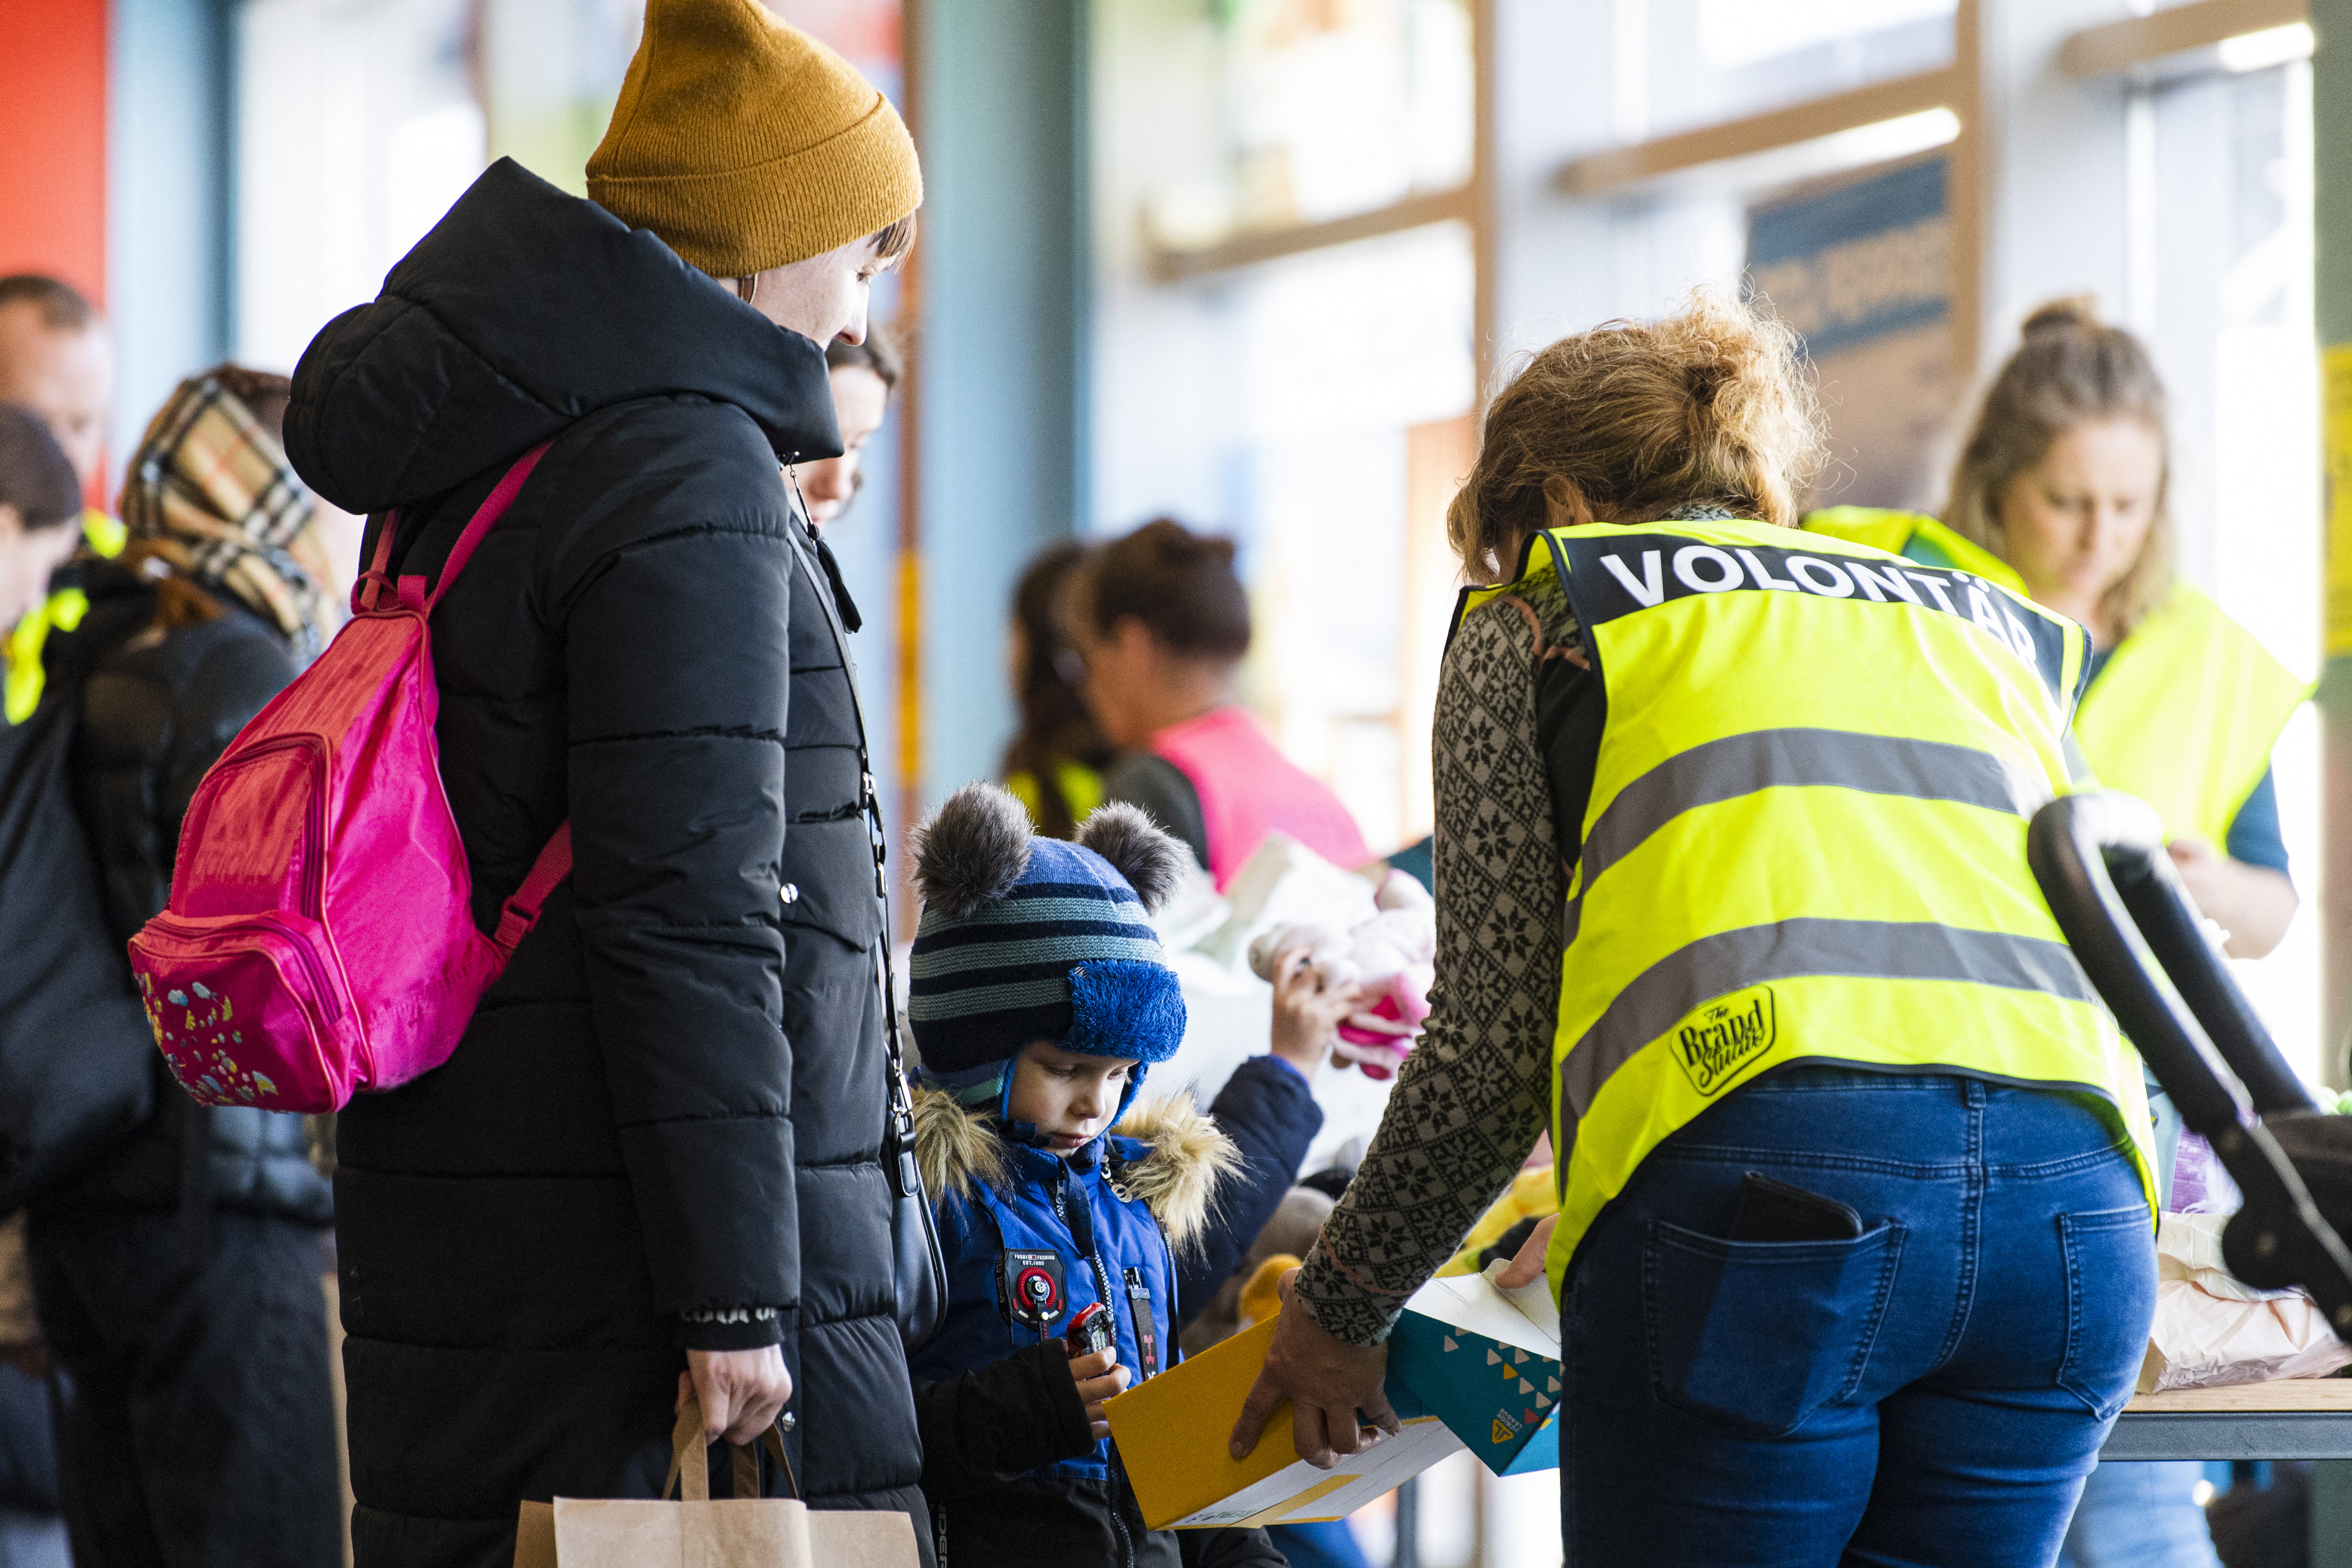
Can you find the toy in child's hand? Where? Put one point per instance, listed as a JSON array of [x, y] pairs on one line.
[[1091, 1330], [1388, 956]]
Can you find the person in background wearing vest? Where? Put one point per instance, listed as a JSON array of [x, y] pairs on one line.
[[55, 359], [2065, 476], [190, 1318], [40, 498], [2062, 489], [1053, 764], [653, 1166], [1162, 622], [57, 364], [1855, 1251]]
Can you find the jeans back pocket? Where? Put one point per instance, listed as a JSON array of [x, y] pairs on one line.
[[1759, 1334], [2110, 1301]]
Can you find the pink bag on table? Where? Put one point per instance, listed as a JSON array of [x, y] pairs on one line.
[[319, 939]]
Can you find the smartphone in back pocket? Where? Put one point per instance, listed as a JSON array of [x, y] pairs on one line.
[[1771, 1210]]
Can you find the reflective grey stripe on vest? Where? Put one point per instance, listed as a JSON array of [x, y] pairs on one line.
[[1677, 984], [1738, 766]]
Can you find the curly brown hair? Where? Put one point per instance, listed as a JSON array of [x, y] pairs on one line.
[[1632, 420]]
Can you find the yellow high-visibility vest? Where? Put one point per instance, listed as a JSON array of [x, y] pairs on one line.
[[1805, 840], [2186, 712], [1081, 787], [63, 610], [1915, 536]]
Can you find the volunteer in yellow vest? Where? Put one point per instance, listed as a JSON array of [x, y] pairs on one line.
[[55, 363], [1054, 765], [1855, 1255], [2060, 490]]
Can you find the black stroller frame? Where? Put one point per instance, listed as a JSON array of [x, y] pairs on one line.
[[2101, 861]]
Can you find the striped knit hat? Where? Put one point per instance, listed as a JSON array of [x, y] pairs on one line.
[[1024, 938]]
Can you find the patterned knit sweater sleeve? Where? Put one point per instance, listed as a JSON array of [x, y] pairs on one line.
[[1473, 1098]]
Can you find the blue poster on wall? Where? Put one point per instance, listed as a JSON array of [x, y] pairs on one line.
[[1864, 273]]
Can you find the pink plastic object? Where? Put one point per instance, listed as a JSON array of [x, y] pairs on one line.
[[319, 939], [1378, 1053]]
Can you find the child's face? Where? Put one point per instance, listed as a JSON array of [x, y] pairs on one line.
[[1069, 1096]]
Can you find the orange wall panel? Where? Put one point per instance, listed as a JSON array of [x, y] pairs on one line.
[[53, 139]]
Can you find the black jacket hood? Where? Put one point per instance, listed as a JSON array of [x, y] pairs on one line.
[[523, 311]]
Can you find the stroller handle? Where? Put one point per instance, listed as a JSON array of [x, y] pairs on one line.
[[2100, 859]]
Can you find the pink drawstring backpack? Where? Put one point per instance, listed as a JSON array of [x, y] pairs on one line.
[[319, 939]]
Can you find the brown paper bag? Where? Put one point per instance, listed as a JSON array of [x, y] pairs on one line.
[[742, 1531]]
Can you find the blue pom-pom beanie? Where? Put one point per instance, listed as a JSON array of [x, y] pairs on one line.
[[1025, 937]]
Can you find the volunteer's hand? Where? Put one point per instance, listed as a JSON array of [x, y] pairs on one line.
[[1306, 1012], [1527, 1266], [2252, 903], [1326, 1381], [741, 1392], [1098, 1376]]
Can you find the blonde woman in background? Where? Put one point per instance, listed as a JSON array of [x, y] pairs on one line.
[[2063, 489], [2064, 482], [2066, 476]]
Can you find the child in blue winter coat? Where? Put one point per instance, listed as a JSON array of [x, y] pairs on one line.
[[1040, 999]]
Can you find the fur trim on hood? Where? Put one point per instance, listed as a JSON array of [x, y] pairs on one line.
[[1177, 1177]]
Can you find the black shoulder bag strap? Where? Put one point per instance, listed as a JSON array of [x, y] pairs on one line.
[[920, 1264]]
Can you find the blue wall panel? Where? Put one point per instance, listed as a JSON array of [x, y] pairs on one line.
[[1001, 110], [167, 203]]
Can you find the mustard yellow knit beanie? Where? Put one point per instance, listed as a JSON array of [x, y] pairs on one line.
[[746, 144]]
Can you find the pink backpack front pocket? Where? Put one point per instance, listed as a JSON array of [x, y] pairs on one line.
[[249, 1009]]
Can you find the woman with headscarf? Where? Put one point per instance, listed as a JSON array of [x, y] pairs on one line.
[[177, 1275]]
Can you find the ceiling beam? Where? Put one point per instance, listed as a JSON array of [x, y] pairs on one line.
[[1616, 168], [1170, 264], [2136, 42]]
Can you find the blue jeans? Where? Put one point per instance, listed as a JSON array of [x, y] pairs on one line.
[[1931, 1393], [2141, 1516]]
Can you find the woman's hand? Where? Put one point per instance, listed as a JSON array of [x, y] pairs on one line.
[[741, 1392], [1098, 1376], [1306, 1012], [1326, 1381], [2254, 903]]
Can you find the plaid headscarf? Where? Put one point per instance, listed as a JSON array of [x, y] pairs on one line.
[[211, 490]]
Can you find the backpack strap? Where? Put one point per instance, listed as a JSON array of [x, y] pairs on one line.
[[373, 581], [368, 591], [555, 863], [521, 911], [494, 507]]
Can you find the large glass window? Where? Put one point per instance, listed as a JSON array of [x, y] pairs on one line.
[[1305, 110], [1314, 405], [1700, 61], [357, 126]]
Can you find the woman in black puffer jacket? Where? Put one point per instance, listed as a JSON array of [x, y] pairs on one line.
[[656, 1155], [177, 1275]]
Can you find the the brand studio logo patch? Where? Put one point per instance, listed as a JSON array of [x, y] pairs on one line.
[[1714, 1044]]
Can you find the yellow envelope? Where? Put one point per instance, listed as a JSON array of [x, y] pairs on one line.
[[1172, 1431]]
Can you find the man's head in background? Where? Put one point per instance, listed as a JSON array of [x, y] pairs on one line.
[[56, 360]]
